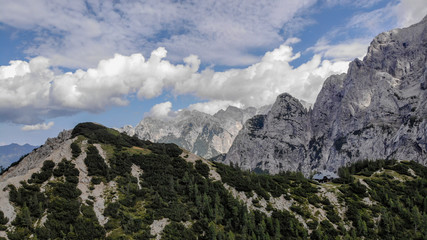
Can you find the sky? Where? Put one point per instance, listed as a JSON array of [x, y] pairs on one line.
[[116, 62]]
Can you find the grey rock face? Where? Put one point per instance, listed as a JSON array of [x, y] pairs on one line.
[[200, 133], [272, 141], [378, 110]]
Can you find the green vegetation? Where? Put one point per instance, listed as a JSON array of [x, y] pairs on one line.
[[202, 168], [75, 149], [96, 165], [45, 173], [138, 150], [66, 217], [3, 221], [377, 199], [399, 208], [287, 183]]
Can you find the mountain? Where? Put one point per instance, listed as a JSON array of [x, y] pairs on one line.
[[203, 134], [378, 110], [12, 152], [96, 183]]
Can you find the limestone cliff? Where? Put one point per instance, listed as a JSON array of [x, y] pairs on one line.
[[203, 134], [378, 110]]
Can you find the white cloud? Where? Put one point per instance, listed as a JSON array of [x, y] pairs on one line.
[[40, 126], [344, 51], [373, 22], [291, 41], [31, 92], [213, 106], [409, 12], [396, 14], [340, 43], [78, 34], [161, 110], [260, 83], [359, 3]]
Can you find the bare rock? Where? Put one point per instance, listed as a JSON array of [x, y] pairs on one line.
[[203, 134], [378, 110]]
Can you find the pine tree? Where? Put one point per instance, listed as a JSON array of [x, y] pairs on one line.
[[3, 219], [26, 217], [230, 235], [277, 234], [212, 231], [416, 218]]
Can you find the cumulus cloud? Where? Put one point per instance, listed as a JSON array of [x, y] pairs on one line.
[[213, 106], [78, 34], [40, 126], [31, 92], [260, 83], [161, 111]]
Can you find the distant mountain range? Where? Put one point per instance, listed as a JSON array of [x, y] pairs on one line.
[[209, 136], [203, 134], [12, 152]]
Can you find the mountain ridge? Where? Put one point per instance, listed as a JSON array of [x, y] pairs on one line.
[[201, 133], [96, 183], [375, 111]]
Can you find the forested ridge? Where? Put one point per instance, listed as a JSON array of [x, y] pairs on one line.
[[382, 199]]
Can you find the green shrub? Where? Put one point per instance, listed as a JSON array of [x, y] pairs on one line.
[[312, 224], [3, 220], [44, 174], [75, 150], [177, 231], [112, 210], [95, 164], [96, 180], [66, 168], [19, 234], [202, 168]]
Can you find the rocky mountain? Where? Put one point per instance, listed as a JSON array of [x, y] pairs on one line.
[[203, 134], [378, 110], [12, 152], [96, 183]]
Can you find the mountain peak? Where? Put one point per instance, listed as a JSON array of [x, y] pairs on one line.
[[201, 133], [375, 111]]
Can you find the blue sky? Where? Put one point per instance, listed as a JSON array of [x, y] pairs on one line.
[[114, 62]]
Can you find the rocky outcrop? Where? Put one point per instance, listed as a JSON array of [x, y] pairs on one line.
[[378, 110], [203, 134], [273, 140], [36, 158], [54, 149]]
